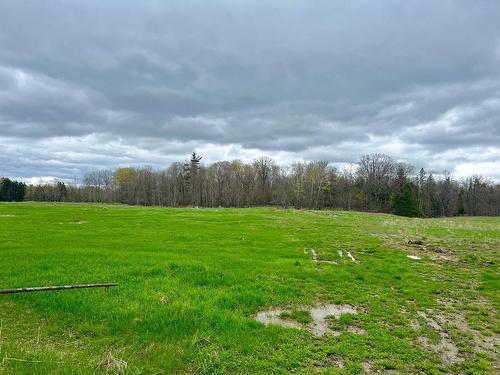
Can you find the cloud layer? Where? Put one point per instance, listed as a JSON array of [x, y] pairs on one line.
[[92, 84]]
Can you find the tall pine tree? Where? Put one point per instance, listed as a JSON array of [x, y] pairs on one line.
[[405, 203]]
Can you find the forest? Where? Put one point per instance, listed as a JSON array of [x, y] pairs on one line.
[[377, 183]]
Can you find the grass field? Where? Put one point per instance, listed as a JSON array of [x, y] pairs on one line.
[[191, 282]]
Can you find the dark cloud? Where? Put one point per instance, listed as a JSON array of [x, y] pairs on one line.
[[91, 84]]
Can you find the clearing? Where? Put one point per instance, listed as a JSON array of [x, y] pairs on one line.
[[347, 292]]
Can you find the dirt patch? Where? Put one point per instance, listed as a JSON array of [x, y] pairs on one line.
[[431, 249], [416, 242], [369, 368], [446, 349], [490, 344], [356, 330], [332, 362], [319, 315], [442, 253], [445, 346], [337, 362], [486, 342]]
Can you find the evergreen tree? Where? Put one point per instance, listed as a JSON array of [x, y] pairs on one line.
[[11, 190], [61, 191], [18, 190], [5, 190], [461, 205], [405, 203], [191, 180]]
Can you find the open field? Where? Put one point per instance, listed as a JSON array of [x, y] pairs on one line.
[[191, 282]]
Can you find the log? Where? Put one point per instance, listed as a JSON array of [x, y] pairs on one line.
[[52, 288]]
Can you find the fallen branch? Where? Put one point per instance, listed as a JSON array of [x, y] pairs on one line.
[[52, 288]]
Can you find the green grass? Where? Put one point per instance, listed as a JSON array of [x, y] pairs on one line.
[[191, 280]]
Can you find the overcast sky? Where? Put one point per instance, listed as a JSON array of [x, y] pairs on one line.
[[96, 84]]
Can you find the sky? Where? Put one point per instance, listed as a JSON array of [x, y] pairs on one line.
[[94, 84]]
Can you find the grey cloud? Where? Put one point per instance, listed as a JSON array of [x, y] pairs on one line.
[[147, 82]]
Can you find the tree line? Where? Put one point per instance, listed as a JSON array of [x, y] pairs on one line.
[[377, 183]]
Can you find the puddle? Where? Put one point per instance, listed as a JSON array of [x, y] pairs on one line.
[[326, 261], [315, 257], [351, 257], [319, 326], [273, 317], [319, 315]]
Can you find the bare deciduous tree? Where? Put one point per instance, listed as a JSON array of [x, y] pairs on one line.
[[376, 183]]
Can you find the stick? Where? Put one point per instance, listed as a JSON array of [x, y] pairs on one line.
[[52, 288]]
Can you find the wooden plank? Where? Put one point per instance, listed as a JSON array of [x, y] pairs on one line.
[[58, 287]]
